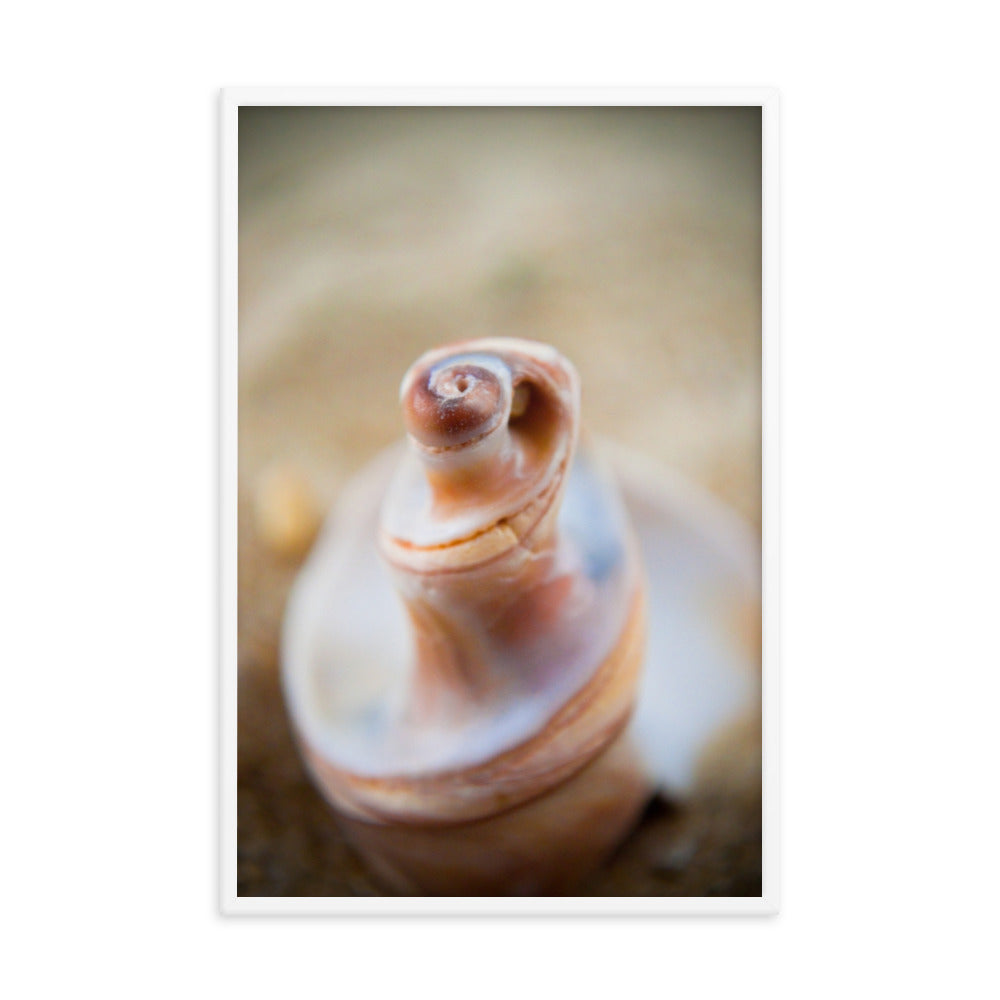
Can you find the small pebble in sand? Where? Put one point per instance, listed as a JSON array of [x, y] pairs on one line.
[[287, 510]]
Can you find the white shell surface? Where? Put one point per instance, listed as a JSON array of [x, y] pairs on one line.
[[347, 650], [701, 672], [346, 638]]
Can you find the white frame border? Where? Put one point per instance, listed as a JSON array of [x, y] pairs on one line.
[[232, 99]]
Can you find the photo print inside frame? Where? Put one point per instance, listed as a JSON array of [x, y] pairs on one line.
[[499, 504]]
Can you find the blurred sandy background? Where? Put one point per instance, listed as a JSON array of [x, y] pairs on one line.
[[628, 238]]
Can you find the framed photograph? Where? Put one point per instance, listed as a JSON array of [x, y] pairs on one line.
[[498, 501]]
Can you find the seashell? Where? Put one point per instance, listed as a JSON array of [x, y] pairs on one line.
[[466, 655]]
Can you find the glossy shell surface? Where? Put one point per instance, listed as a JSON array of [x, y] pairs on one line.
[[489, 624], [348, 645]]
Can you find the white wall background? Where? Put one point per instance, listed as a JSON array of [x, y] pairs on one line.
[[889, 650]]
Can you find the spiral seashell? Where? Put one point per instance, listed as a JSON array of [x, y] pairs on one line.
[[463, 650]]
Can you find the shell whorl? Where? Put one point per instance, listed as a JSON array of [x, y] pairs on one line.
[[507, 618], [519, 580], [492, 427]]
